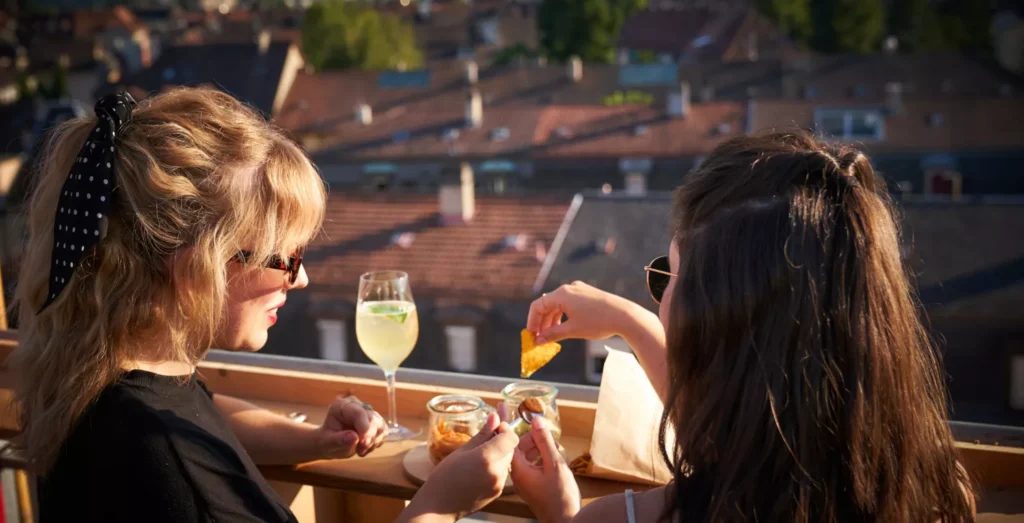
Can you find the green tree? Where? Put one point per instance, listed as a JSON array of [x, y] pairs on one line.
[[793, 17], [847, 26], [59, 84], [967, 24], [585, 28], [337, 34], [512, 54], [917, 25]]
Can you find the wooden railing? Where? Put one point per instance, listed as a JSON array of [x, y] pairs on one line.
[[375, 488]]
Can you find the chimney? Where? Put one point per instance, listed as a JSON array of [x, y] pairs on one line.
[[894, 98], [264, 41], [472, 72], [474, 109], [457, 201], [574, 69], [707, 93], [752, 51], [679, 102], [364, 114]]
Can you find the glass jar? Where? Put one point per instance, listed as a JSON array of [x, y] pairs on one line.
[[514, 394], [454, 419]]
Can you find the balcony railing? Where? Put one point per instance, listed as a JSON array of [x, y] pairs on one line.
[[375, 488]]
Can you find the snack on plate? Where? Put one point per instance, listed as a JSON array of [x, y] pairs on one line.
[[447, 439], [580, 465], [535, 356]]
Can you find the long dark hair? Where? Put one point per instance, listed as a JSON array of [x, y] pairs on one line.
[[803, 386]]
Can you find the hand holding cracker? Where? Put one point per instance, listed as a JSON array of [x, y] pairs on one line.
[[535, 356]]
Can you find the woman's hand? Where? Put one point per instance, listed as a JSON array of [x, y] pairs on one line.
[[351, 427], [548, 487], [592, 314], [469, 478]]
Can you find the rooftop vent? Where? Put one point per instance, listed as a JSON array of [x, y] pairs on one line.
[[403, 239], [641, 130], [451, 134], [400, 137], [563, 132], [723, 128], [604, 245], [516, 242], [936, 119], [500, 134]]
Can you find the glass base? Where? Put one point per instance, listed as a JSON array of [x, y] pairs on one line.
[[400, 433]]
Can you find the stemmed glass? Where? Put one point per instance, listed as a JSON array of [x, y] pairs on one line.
[[387, 328]]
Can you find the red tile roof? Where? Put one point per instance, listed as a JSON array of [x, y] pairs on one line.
[[966, 123], [463, 260], [590, 131]]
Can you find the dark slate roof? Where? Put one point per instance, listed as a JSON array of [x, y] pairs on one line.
[[639, 227], [18, 118], [966, 256], [238, 69]]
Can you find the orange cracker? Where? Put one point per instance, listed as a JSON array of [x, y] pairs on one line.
[[535, 356]]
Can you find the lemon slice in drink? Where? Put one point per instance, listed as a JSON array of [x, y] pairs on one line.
[[394, 312]]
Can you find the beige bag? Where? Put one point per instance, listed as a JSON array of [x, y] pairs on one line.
[[624, 446]]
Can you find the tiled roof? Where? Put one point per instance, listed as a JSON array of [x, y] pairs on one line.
[[404, 135], [923, 75], [581, 131], [966, 123], [702, 34], [639, 228], [463, 260]]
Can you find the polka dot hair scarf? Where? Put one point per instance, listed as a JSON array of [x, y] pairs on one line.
[[85, 198]]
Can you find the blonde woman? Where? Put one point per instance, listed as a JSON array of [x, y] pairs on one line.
[[159, 231]]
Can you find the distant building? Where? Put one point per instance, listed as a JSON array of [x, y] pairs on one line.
[[257, 73], [472, 263], [953, 147], [969, 272]]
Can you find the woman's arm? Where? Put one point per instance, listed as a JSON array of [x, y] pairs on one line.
[[593, 314], [272, 439]]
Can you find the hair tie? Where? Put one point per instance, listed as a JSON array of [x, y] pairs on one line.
[[85, 198]]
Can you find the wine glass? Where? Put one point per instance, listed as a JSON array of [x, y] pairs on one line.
[[387, 327]]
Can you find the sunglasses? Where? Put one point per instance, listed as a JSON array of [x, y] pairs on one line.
[[658, 276], [291, 265]]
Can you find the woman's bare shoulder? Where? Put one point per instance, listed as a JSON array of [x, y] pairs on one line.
[[650, 505]]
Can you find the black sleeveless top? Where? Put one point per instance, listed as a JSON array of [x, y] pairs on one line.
[[155, 448]]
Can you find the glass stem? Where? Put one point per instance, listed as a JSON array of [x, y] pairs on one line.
[[389, 375]]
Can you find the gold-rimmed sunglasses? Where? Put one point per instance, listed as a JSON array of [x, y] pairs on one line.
[[658, 276]]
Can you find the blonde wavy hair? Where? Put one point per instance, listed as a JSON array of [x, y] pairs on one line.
[[200, 176]]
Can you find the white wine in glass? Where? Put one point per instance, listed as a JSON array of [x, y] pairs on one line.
[[387, 327]]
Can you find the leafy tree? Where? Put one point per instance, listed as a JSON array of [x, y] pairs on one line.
[[793, 17], [585, 28], [337, 34], [850, 26], [967, 24], [917, 25], [59, 85]]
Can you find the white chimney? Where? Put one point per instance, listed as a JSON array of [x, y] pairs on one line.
[[474, 110], [457, 201], [364, 114], [264, 41], [679, 102], [574, 69], [894, 98], [472, 72]]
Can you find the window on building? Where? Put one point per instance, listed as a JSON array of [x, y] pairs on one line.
[[461, 347], [854, 124], [597, 354], [636, 183], [332, 339]]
